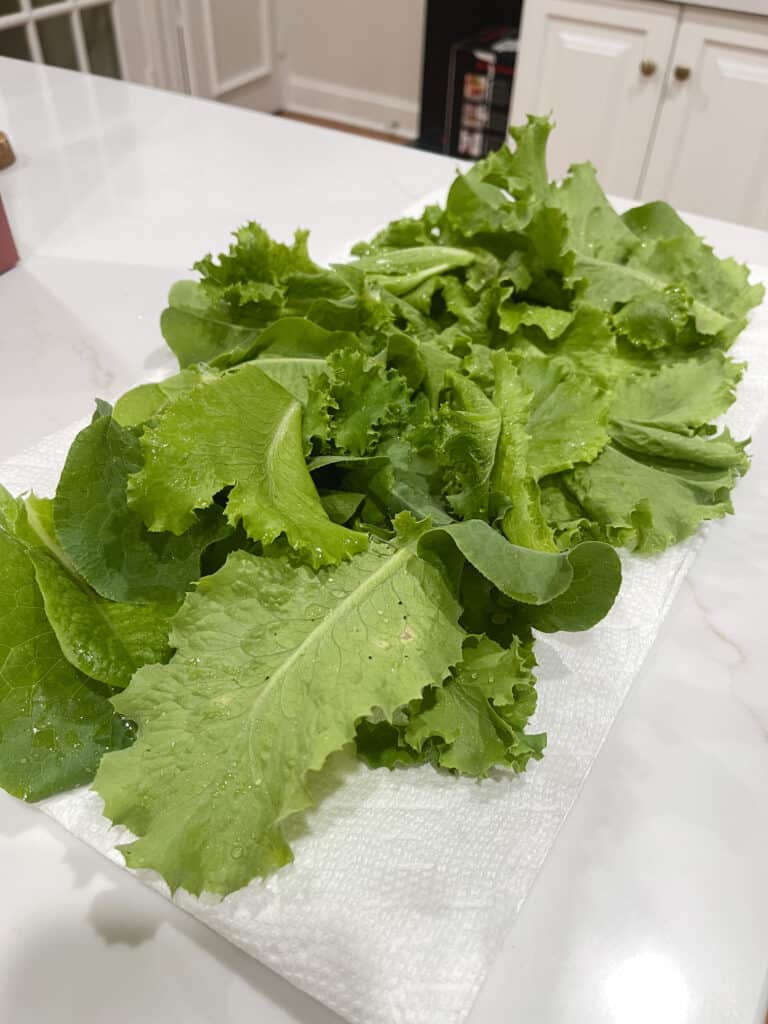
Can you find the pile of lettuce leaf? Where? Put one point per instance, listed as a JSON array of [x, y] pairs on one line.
[[344, 518]]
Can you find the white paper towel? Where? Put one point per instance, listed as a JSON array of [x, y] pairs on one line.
[[404, 883]]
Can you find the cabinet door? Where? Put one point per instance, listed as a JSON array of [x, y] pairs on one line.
[[710, 154], [599, 68]]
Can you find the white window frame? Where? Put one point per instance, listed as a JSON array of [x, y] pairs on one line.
[[168, 44], [28, 17]]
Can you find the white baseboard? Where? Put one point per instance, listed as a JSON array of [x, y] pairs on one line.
[[374, 110]]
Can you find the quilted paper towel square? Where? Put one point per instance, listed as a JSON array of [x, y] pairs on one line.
[[404, 882]]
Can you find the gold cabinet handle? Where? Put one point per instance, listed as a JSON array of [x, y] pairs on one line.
[[648, 67], [682, 73]]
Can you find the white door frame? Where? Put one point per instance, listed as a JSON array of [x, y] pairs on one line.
[[152, 50], [259, 83]]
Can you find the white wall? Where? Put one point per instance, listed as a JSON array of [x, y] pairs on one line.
[[357, 61]]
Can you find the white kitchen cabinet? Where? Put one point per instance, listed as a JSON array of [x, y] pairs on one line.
[[669, 101], [599, 67], [710, 153]]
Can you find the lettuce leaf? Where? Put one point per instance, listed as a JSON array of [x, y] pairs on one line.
[[361, 398], [570, 590], [274, 665], [683, 396], [522, 519], [664, 472], [198, 328], [106, 640], [55, 725], [647, 499], [251, 443], [105, 540], [467, 439], [475, 721], [648, 250], [472, 723]]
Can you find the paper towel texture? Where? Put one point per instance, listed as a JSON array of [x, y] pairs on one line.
[[404, 882]]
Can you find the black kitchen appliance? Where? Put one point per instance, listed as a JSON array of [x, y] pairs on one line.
[[480, 80], [452, 27]]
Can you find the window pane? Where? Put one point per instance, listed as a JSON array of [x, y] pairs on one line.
[[100, 41], [13, 43], [42, 3], [9, 6], [57, 43]]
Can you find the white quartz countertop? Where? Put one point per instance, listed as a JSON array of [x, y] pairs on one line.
[[652, 907]]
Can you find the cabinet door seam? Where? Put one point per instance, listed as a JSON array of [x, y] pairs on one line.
[[659, 107]]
